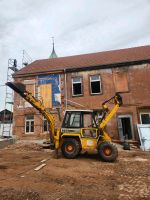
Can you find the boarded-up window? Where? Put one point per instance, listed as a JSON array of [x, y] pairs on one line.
[[30, 87], [120, 81], [54, 93], [46, 95]]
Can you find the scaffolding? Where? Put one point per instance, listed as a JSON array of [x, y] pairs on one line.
[[6, 125], [7, 119]]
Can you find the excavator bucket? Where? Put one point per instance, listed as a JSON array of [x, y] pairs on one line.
[[17, 87]]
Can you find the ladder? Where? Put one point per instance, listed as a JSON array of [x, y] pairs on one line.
[[8, 110]]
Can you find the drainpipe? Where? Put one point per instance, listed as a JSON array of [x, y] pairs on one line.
[[65, 88]]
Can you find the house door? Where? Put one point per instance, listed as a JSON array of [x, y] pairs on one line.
[[125, 127]]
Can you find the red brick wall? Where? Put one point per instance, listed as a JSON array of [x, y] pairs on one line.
[[138, 95], [20, 111]]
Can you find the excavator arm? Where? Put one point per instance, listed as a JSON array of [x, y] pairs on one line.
[[21, 90], [107, 114]]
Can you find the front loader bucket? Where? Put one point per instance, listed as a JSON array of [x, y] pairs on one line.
[[20, 88]]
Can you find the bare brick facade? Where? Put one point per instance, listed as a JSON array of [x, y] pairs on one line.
[[131, 80], [135, 100]]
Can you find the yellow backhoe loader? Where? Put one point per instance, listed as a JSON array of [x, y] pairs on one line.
[[81, 129]]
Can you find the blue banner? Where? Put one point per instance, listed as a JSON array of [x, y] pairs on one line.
[[53, 79]]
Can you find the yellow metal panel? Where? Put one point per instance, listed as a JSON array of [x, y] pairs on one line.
[[71, 134], [46, 95], [89, 143]]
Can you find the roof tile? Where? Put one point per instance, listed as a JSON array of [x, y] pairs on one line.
[[86, 60]]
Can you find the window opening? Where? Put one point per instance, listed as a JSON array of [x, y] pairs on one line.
[[145, 118], [76, 86], [95, 84]]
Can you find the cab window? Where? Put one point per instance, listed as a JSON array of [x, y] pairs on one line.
[[72, 120]]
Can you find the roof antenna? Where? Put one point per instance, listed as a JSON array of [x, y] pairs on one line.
[[53, 54], [53, 42]]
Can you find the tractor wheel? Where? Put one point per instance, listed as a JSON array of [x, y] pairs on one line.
[[70, 148], [107, 152]]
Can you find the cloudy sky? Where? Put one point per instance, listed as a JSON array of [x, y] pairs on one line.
[[79, 26]]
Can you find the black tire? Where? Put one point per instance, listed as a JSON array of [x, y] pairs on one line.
[[107, 152], [70, 148]]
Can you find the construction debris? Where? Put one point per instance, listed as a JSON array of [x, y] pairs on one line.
[[39, 167], [43, 160]]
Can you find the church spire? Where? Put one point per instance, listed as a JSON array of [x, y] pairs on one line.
[[53, 54]]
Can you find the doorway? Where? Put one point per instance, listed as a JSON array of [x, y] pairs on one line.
[[125, 127]]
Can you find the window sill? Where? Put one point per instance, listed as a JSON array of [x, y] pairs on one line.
[[30, 133], [80, 95], [94, 94]]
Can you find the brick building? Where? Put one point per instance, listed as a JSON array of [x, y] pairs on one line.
[[84, 82]]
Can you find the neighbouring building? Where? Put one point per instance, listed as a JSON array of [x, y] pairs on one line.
[[6, 118], [84, 82]]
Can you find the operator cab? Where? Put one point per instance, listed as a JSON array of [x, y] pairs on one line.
[[75, 120], [79, 119]]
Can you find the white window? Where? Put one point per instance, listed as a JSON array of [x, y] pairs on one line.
[[29, 124], [45, 125], [76, 86], [95, 84], [145, 118]]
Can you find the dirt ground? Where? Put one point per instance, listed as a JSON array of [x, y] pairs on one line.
[[84, 178]]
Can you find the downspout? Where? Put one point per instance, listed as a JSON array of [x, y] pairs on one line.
[[65, 88]]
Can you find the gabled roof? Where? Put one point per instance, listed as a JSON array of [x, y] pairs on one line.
[[5, 111], [104, 59]]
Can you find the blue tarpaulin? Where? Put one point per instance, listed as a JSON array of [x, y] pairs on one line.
[[53, 79]]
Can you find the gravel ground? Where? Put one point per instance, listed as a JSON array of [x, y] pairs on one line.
[[84, 178]]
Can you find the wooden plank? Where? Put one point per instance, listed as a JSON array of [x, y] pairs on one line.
[[46, 94], [43, 160], [39, 167]]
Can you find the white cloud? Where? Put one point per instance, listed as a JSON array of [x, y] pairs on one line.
[[80, 26]]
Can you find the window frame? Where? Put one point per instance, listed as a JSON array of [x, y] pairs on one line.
[[100, 82], [67, 119], [81, 78], [30, 121], [147, 113]]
